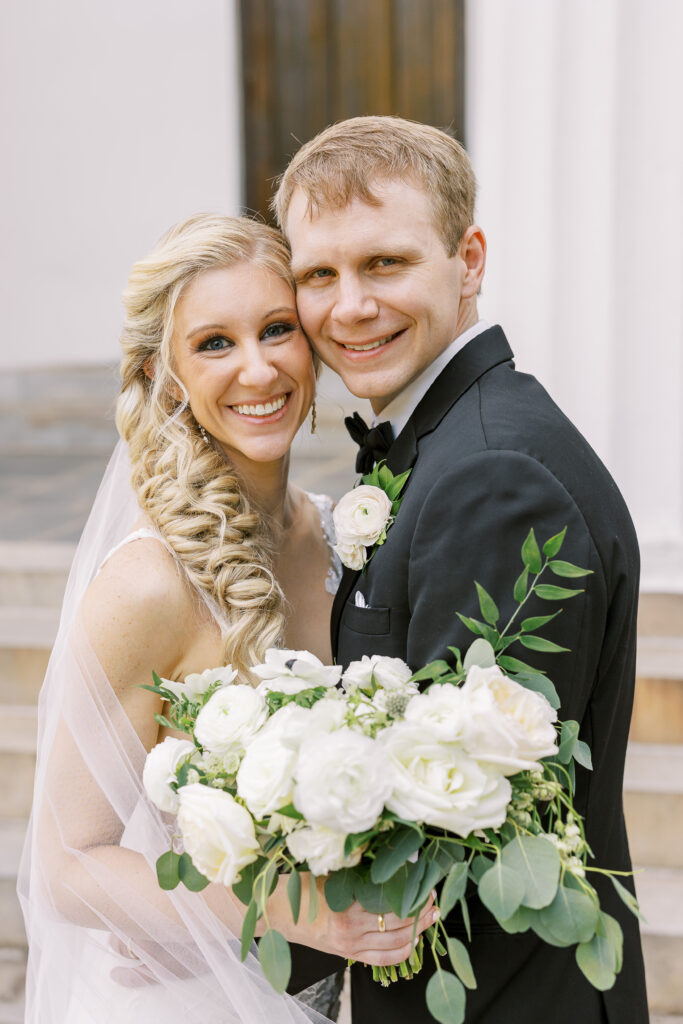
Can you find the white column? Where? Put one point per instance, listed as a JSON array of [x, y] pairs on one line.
[[575, 128], [117, 120]]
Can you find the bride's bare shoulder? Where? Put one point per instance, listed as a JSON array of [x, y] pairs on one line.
[[138, 608]]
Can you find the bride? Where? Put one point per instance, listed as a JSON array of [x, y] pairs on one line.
[[198, 552]]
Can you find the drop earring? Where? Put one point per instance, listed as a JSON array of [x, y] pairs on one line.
[[203, 433], [314, 417]]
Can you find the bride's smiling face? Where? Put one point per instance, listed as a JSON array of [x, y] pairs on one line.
[[240, 352]]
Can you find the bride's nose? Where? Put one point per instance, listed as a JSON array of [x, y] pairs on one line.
[[257, 369]]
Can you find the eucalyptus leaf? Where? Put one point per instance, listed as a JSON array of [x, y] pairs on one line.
[[453, 888], [549, 592], [610, 928], [537, 862], [531, 556], [192, 879], [479, 866], [544, 932], [460, 960], [465, 911], [445, 996], [501, 890], [582, 755], [243, 888], [372, 896], [480, 653], [597, 959], [488, 606], [539, 643], [312, 900], [249, 928], [167, 870], [294, 894], [627, 897], [415, 874], [356, 839], [432, 875], [339, 889], [572, 916], [568, 570], [540, 684], [521, 585], [275, 959], [568, 739], [553, 544], [519, 922], [401, 844], [394, 889]]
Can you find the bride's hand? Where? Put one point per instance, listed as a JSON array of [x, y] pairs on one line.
[[355, 933]]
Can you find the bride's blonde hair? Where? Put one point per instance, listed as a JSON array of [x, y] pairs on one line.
[[184, 484]]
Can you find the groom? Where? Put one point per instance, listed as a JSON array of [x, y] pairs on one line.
[[388, 264]]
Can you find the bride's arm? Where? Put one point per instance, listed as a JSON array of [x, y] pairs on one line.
[[139, 616]]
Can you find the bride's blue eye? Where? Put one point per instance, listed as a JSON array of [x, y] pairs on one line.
[[279, 329], [217, 343]]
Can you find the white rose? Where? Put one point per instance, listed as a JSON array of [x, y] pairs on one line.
[[293, 671], [440, 784], [322, 848], [265, 780], [390, 673], [362, 515], [218, 833], [198, 683], [353, 556], [230, 718], [440, 711], [161, 765], [506, 724], [342, 781]]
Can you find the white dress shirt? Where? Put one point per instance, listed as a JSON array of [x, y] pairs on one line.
[[400, 409]]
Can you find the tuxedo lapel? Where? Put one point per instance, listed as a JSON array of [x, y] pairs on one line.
[[477, 357]]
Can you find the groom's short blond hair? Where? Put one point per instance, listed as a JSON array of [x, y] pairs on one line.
[[347, 160]]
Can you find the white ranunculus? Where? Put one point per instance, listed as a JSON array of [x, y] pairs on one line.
[[197, 683], [265, 780], [440, 784], [353, 556], [218, 833], [440, 711], [322, 848], [292, 671], [342, 780], [230, 718], [506, 724], [161, 765], [390, 673], [362, 515]]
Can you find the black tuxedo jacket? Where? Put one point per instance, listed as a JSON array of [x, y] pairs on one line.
[[491, 456]]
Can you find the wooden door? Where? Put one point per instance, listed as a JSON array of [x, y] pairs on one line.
[[307, 63]]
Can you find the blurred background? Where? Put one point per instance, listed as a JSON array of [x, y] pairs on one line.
[[119, 119]]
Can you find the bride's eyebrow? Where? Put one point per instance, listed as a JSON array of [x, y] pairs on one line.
[[206, 327]]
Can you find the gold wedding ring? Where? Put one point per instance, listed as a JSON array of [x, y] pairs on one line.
[[380, 923]]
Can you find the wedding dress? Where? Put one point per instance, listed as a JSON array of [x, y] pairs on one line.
[[87, 879]]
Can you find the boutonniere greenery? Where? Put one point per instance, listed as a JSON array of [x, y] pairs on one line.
[[363, 516]]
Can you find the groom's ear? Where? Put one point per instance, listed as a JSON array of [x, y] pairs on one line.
[[472, 251]]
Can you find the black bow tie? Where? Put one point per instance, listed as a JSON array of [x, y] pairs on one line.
[[373, 442]]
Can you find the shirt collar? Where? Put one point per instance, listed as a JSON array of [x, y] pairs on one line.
[[400, 409]]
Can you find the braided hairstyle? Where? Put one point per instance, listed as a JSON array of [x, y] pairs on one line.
[[184, 484]]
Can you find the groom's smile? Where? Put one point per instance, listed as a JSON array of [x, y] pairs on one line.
[[377, 292]]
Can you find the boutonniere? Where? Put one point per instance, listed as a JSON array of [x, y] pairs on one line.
[[363, 516]]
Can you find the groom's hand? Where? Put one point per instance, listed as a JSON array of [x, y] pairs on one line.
[[356, 934]]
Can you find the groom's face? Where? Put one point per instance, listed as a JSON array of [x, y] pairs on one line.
[[377, 292]]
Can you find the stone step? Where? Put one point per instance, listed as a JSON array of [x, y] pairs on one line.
[[17, 762], [653, 803], [12, 934], [660, 893], [34, 574]]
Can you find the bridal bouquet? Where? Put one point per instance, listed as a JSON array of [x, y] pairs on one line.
[[388, 791]]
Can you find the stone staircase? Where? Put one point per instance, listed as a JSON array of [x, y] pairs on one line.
[[32, 578]]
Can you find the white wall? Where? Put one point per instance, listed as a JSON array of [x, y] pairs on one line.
[[116, 120], [575, 127]]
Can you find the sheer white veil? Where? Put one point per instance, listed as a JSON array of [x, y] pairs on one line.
[[87, 875]]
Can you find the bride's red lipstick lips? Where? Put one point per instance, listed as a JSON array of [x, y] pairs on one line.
[[352, 351], [271, 417]]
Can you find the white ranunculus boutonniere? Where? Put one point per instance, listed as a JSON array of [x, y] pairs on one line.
[[363, 516]]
